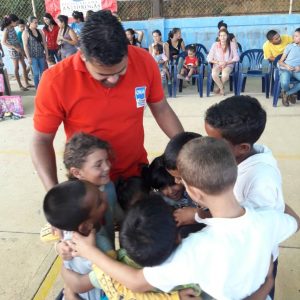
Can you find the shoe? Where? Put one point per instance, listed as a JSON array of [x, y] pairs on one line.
[[179, 76], [292, 98], [285, 101], [24, 89], [30, 86]]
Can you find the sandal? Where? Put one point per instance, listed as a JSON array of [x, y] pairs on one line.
[[24, 89]]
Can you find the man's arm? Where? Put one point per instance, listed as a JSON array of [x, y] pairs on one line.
[[288, 210], [166, 118], [43, 158]]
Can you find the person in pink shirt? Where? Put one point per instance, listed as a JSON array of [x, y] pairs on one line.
[[223, 54]]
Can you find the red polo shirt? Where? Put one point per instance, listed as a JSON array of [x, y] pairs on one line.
[[67, 93]]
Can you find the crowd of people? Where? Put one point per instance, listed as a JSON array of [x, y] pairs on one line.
[[202, 221]]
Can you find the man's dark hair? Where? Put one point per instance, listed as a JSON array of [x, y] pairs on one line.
[[64, 205], [207, 164], [271, 34], [222, 24], [103, 39], [156, 175], [149, 231], [240, 119], [297, 30], [174, 146]]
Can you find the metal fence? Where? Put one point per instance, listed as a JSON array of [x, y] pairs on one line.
[[22, 8], [143, 9]]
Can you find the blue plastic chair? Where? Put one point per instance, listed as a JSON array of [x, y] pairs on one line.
[[197, 77], [252, 64], [277, 85]]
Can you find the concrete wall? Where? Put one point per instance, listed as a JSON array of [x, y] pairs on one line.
[[249, 30]]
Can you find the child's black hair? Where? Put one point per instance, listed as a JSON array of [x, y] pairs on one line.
[[130, 190], [191, 48], [64, 206], [174, 146], [22, 22], [149, 232], [240, 119], [156, 176], [159, 48]]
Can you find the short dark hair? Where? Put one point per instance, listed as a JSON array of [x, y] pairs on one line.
[[297, 29], [207, 164], [191, 48], [22, 22], [149, 232], [64, 205], [159, 48], [79, 147], [271, 34], [103, 39], [157, 177], [78, 15], [130, 190], [240, 119], [174, 146], [222, 24]]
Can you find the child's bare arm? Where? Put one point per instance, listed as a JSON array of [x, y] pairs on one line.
[[185, 216], [76, 282], [132, 278]]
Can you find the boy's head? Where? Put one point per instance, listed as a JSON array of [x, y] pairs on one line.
[[222, 25], [75, 206], [158, 178], [129, 191], [172, 150], [22, 25], [149, 232], [273, 37], [86, 157], [297, 36], [240, 120], [207, 165], [191, 51]]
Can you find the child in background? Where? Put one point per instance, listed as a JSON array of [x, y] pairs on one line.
[[162, 61], [21, 27], [190, 64], [78, 206], [246, 237]]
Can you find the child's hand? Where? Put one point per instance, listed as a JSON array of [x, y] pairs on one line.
[[290, 68], [185, 216], [188, 294], [81, 245], [297, 69], [64, 250]]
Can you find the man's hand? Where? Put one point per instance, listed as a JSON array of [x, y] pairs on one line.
[[185, 216], [188, 294]]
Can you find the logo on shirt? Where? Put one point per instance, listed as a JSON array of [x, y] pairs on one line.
[[140, 96]]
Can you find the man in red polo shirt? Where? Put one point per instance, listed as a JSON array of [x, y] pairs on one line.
[[102, 90]]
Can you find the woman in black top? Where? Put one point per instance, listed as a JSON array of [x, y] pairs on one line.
[[175, 42]]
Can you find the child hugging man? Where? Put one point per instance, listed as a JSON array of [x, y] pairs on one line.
[[229, 259]]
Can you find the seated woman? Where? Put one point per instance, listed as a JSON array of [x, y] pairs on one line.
[[132, 39], [156, 34], [223, 54]]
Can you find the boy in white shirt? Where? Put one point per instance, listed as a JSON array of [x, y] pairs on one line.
[[230, 257]]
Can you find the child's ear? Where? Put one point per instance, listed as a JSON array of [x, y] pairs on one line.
[[245, 148], [75, 173], [85, 227]]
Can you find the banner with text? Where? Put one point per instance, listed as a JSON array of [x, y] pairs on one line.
[[66, 7]]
